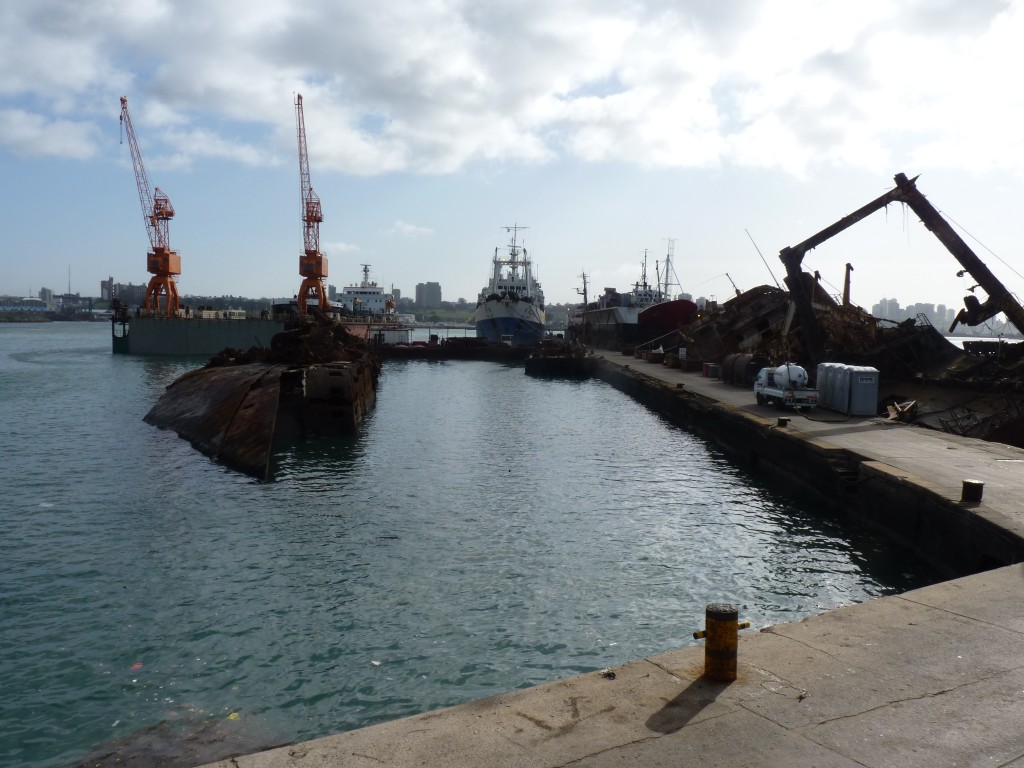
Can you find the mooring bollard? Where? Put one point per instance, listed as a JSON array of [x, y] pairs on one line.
[[721, 630], [783, 421], [972, 490]]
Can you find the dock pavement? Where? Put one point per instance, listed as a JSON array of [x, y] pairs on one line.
[[932, 677]]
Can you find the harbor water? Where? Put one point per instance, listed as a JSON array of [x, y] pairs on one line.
[[484, 531]]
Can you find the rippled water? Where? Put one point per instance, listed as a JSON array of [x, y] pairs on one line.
[[484, 531]]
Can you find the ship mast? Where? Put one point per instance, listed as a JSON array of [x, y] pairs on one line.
[[583, 291], [668, 265]]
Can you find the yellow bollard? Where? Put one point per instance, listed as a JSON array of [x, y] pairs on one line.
[[721, 630]]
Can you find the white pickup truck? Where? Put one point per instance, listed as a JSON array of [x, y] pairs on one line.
[[784, 386]]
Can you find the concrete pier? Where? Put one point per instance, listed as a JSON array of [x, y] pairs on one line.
[[934, 677]]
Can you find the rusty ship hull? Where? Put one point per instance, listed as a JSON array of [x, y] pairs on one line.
[[315, 381]]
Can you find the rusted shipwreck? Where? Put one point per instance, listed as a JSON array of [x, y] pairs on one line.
[[313, 380], [976, 391]]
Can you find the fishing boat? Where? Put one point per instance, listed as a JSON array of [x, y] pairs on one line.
[[611, 321], [510, 307], [660, 323]]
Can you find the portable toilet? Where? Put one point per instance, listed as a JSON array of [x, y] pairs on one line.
[[823, 381], [839, 389], [863, 389]]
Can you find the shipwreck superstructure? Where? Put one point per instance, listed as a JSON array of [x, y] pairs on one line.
[[977, 390]]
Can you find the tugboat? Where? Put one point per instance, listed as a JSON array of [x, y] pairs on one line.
[[510, 307]]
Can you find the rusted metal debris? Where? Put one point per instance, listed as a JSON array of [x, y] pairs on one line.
[[313, 380]]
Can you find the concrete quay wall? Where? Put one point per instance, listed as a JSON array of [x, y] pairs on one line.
[[914, 511]]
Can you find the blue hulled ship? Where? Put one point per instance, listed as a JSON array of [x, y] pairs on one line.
[[510, 307]]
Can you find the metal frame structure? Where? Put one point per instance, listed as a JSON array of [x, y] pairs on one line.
[[312, 263], [157, 211]]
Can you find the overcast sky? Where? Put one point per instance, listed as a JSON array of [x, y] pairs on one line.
[[610, 129]]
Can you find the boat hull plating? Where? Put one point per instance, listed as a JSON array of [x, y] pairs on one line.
[[519, 323], [660, 321]]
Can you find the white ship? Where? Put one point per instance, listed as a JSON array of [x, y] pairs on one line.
[[368, 312], [510, 307], [366, 298]]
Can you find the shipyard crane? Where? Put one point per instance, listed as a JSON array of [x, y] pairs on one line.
[[157, 211], [312, 263]]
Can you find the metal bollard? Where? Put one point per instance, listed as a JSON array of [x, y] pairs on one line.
[[721, 630], [972, 490]]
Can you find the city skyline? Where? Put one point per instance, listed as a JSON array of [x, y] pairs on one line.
[[884, 308]]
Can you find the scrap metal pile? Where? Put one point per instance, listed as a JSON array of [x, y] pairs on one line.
[[976, 391]]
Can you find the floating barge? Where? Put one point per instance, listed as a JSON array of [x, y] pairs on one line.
[[457, 348], [191, 336], [204, 333]]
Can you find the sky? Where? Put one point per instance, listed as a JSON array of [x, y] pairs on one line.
[[614, 131]]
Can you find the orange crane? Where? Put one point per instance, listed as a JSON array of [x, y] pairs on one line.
[[157, 211], [312, 263]]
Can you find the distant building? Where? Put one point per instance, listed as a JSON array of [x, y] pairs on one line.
[[22, 303], [107, 289], [131, 294], [888, 309], [397, 294], [46, 296], [428, 295], [332, 293]]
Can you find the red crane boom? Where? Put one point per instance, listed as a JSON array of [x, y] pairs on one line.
[[312, 263], [157, 211]]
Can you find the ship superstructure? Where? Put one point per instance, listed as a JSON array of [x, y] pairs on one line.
[[367, 297], [510, 307]]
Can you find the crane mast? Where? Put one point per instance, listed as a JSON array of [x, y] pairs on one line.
[[157, 211], [312, 263]]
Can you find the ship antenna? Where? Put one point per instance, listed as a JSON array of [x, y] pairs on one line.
[[762, 259]]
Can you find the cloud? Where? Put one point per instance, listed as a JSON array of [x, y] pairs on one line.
[[338, 247], [405, 229], [30, 134], [440, 87]]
